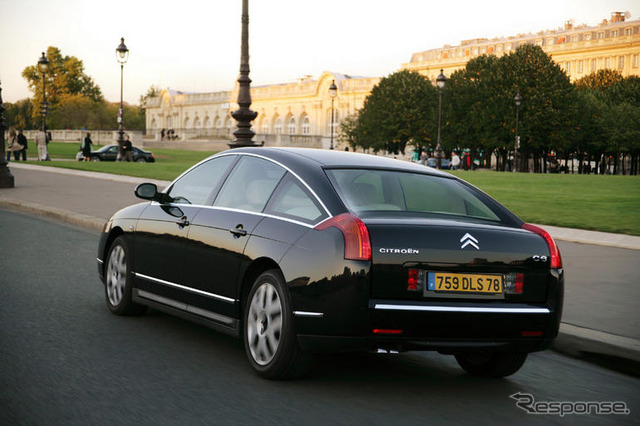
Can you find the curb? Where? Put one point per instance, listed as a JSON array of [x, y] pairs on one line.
[[73, 218], [611, 351]]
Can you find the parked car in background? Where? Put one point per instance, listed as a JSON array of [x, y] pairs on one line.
[[301, 251], [432, 162], [110, 153]]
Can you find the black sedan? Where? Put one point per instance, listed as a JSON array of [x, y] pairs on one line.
[[302, 251], [110, 153]]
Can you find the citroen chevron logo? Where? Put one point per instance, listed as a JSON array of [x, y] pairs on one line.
[[469, 240]]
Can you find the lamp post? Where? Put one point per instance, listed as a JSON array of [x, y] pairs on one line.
[[440, 81], [244, 115], [6, 178], [122, 54], [333, 92], [518, 101], [43, 66]]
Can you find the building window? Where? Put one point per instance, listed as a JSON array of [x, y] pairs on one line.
[[291, 127], [576, 38], [587, 36], [614, 33], [500, 48], [306, 126], [628, 31], [580, 66], [607, 63], [621, 62], [568, 67], [594, 65], [601, 35], [635, 61], [277, 127], [265, 126]]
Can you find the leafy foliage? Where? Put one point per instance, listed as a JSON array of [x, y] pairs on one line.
[[400, 110]]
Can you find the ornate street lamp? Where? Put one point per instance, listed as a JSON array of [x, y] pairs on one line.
[[518, 101], [122, 54], [244, 115], [440, 81], [43, 67], [6, 178], [333, 92]]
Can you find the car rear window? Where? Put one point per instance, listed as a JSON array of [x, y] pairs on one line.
[[395, 192]]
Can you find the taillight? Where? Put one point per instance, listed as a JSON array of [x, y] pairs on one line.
[[357, 244], [556, 259]]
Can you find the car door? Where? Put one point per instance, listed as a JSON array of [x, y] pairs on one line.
[[218, 235], [163, 229]]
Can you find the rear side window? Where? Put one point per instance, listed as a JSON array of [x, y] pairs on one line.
[[293, 201], [380, 190], [250, 184]]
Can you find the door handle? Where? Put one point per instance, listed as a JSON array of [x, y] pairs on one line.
[[238, 231], [183, 222]]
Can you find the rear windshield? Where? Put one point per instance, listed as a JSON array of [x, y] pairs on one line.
[[364, 190]]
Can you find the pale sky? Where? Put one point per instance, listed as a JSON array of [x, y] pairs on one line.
[[194, 45]]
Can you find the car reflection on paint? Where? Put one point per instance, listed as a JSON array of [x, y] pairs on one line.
[[110, 153], [302, 251]]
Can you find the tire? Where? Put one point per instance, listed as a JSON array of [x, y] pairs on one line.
[[140, 160], [117, 281], [95, 159], [268, 333], [491, 364]]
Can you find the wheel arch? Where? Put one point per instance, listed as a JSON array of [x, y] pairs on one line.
[[257, 267]]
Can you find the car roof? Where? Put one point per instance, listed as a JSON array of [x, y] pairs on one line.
[[337, 159]]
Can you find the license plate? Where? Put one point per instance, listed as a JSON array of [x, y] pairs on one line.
[[464, 283]]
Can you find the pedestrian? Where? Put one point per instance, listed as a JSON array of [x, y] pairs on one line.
[[22, 140], [127, 149], [13, 145], [86, 147], [41, 143], [455, 161], [162, 134]]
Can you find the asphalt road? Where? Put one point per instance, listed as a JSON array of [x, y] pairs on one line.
[[65, 360], [601, 287]]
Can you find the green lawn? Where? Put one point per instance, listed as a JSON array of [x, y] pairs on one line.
[[602, 203]]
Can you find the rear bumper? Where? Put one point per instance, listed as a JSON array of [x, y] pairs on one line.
[[446, 327]]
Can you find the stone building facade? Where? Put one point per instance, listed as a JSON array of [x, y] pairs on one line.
[[289, 114], [299, 113], [579, 50]]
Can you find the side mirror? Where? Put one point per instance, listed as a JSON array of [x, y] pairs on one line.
[[147, 191]]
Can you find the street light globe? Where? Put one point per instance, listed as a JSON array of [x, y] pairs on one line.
[[43, 63], [441, 80], [518, 99], [122, 53], [333, 89]]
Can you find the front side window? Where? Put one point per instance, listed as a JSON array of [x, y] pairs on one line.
[[400, 193], [250, 184], [195, 186]]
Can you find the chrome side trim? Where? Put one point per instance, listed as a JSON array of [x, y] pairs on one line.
[[258, 213], [308, 314], [462, 309], [100, 260], [181, 287], [184, 307]]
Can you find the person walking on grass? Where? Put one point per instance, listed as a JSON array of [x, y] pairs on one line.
[[86, 147]]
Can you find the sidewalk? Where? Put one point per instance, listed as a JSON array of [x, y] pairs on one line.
[[88, 199]]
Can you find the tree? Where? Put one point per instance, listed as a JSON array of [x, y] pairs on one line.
[[400, 110], [65, 78], [480, 104], [599, 80]]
